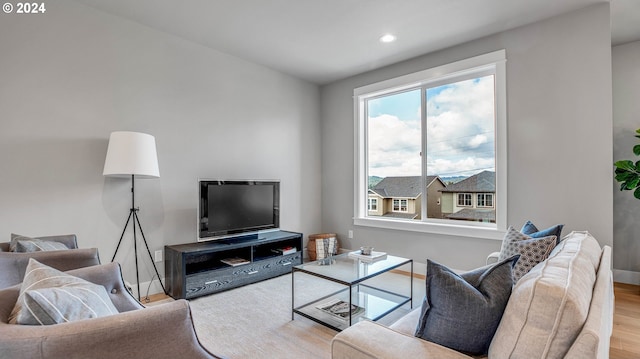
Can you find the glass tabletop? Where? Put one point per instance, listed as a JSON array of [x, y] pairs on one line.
[[349, 270]]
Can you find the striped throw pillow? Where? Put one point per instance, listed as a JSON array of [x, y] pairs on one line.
[[37, 245], [49, 296], [21, 243]]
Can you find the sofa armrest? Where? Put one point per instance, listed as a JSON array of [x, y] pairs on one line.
[[13, 265], [110, 277], [369, 340], [163, 331], [595, 336]]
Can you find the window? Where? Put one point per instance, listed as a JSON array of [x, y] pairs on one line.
[[447, 123], [400, 205], [373, 204], [485, 200], [464, 199]]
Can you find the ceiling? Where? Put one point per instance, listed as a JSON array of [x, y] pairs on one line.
[[326, 40]]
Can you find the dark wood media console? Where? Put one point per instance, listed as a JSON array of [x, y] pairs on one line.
[[197, 269]]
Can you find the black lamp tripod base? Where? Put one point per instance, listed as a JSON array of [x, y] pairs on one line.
[[133, 213]]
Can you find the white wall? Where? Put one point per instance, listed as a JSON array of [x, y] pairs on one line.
[[70, 77], [626, 120], [559, 127]]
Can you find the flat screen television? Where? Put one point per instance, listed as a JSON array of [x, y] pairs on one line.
[[237, 208]]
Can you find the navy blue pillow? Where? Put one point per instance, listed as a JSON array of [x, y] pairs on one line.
[[462, 312], [532, 231]]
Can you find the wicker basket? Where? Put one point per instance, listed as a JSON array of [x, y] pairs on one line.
[[311, 245]]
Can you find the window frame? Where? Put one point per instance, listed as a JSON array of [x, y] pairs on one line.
[[370, 204], [485, 195], [400, 201], [495, 62], [467, 196]]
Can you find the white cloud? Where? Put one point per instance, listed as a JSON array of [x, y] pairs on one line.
[[460, 134], [394, 147]]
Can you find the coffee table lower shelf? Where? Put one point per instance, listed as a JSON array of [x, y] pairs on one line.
[[376, 303]]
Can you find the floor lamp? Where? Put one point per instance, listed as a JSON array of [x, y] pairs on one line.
[[133, 154]]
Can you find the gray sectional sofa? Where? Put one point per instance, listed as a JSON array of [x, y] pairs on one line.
[[161, 331], [562, 308], [13, 264]]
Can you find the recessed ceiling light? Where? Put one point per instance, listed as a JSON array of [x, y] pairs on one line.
[[387, 38]]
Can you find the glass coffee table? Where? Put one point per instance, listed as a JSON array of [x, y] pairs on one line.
[[328, 288]]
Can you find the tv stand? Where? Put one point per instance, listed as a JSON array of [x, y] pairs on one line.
[[240, 239], [196, 269]]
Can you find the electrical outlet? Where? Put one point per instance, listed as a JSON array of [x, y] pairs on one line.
[[350, 234], [158, 257]]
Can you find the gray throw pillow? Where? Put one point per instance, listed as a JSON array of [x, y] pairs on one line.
[[37, 245], [531, 250], [20, 243], [462, 312], [49, 296]]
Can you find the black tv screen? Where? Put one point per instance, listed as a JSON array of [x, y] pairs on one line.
[[236, 208]]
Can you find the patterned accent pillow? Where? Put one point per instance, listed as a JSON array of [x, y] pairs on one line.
[[531, 250], [462, 312], [37, 245], [532, 231], [21, 243], [49, 296]]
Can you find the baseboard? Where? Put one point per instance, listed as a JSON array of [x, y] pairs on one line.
[[155, 288], [625, 276]]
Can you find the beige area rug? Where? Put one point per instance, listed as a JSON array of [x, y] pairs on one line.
[[254, 321]]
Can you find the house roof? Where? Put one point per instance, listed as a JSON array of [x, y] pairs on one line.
[[474, 214], [405, 187], [400, 215], [484, 181]]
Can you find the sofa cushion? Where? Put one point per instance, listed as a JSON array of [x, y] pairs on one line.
[[531, 250], [532, 231], [48, 296], [462, 312], [549, 305], [37, 245]]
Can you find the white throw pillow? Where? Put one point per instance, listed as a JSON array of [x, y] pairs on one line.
[[549, 305], [49, 296]]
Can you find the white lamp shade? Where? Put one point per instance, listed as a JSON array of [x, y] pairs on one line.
[[131, 153]]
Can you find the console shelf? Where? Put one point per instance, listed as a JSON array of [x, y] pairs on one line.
[[196, 269]]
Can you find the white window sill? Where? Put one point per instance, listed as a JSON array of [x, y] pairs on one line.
[[479, 230]]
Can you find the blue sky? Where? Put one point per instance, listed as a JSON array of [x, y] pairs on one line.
[[405, 106], [460, 131]]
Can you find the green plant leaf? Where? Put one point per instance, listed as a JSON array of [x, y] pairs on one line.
[[623, 176], [636, 150], [625, 164], [633, 182], [623, 186], [636, 193]]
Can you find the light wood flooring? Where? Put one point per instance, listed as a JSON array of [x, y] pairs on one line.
[[625, 340]]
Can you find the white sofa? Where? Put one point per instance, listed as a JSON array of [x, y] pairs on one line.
[[562, 308]]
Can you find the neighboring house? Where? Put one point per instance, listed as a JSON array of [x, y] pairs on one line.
[[401, 197], [472, 199]]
